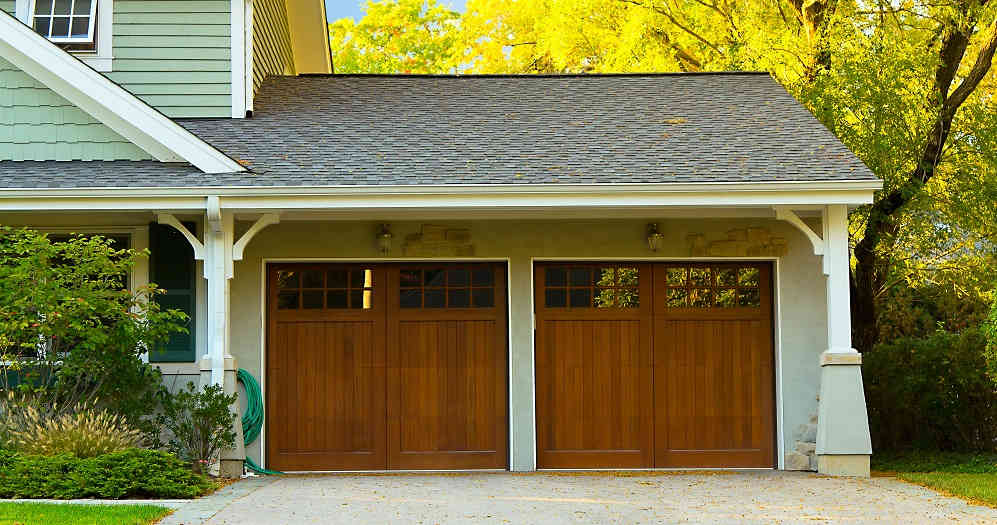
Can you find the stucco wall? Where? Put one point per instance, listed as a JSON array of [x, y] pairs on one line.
[[800, 324], [800, 296]]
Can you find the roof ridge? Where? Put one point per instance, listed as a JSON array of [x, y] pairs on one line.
[[530, 75]]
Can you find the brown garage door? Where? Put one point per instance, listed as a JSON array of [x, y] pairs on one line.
[[654, 365], [391, 366]]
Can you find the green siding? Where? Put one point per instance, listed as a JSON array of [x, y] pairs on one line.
[[272, 52], [7, 5], [38, 124], [175, 55]]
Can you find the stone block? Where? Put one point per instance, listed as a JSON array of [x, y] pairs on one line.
[[806, 448], [797, 461], [808, 433]]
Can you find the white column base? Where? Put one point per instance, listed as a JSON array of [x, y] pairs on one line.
[[849, 465], [205, 371], [843, 441]]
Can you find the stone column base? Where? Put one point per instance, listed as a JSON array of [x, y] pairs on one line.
[[232, 459], [230, 468], [852, 465]]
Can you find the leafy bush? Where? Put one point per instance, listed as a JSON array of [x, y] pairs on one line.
[[932, 393], [133, 473], [935, 461], [85, 432], [199, 422], [72, 332]]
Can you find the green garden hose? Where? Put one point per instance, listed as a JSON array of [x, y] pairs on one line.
[[252, 420]]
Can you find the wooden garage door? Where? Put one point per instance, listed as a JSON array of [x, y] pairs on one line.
[[386, 367], [654, 365]]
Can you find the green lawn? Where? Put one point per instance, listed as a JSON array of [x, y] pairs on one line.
[[968, 476], [68, 514]]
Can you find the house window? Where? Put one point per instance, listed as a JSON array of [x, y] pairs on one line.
[[81, 27], [66, 21]]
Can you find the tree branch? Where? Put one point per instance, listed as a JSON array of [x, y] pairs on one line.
[[674, 21]]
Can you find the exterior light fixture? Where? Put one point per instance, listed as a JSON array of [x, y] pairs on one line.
[[653, 236], [384, 239]]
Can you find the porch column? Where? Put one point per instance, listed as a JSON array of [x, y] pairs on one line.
[[218, 270], [843, 442]]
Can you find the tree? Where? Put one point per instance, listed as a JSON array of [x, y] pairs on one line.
[[395, 36]]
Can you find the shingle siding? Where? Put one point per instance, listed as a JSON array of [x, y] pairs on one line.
[[272, 52], [38, 124], [175, 55]]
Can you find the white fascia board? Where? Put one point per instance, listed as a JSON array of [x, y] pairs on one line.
[[454, 197], [105, 101]]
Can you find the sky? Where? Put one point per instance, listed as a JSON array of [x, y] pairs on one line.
[[336, 9]]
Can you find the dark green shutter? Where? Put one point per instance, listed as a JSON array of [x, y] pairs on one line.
[[171, 267]]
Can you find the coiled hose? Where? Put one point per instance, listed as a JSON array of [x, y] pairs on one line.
[[252, 419]]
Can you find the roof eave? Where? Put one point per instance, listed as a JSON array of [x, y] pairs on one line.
[[456, 196]]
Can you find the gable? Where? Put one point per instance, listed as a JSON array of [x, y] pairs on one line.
[[163, 139], [38, 124]]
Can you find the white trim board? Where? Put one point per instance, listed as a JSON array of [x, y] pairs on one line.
[[106, 101]]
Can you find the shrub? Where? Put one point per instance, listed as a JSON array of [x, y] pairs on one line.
[[85, 432], [72, 332], [932, 393], [199, 422], [133, 473]]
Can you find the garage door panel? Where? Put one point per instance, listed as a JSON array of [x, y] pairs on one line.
[[447, 368], [712, 399], [713, 374], [328, 385], [593, 366], [592, 394], [445, 401]]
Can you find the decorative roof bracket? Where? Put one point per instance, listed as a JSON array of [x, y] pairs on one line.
[[786, 213]]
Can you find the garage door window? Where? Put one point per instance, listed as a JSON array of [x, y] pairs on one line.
[[591, 286], [712, 287], [319, 289], [447, 287]]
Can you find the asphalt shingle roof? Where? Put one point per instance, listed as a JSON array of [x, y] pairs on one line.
[[412, 130]]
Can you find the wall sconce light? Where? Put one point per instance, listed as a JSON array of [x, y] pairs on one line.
[[653, 236], [384, 239]]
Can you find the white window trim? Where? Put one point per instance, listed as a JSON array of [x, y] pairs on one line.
[[102, 59]]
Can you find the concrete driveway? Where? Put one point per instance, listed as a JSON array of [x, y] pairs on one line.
[[725, 497]]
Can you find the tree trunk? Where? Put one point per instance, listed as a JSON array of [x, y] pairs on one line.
[[870, 267]]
